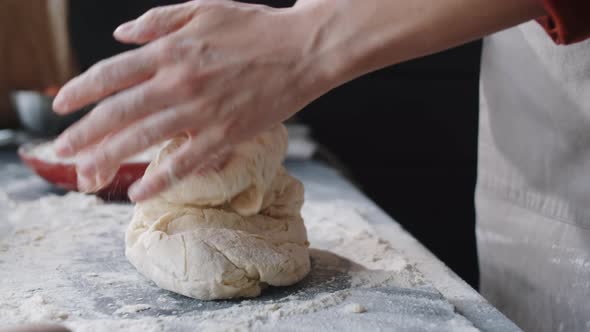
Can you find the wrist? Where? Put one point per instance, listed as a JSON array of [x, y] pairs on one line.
[[343, 38], [319, 40]]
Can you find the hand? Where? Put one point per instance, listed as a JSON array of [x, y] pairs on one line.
[[219, 71], [222, 71]]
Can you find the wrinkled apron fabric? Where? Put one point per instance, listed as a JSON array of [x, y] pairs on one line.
[[533, 191]]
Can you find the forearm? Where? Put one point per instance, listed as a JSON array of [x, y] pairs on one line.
[[349, 38]]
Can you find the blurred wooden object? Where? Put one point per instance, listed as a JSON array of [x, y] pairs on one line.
[[8, 118], [34, 48]]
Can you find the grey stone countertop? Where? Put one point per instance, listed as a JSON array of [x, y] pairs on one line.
[[436, 304]]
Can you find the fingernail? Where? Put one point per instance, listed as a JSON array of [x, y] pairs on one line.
[[124, 28], [60, 104]]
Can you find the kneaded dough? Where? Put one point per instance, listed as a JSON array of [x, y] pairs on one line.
[[227, 233]]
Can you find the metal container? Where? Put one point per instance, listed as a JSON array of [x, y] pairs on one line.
[[36, 114]]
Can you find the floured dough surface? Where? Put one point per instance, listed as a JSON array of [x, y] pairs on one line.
[[227, 233]]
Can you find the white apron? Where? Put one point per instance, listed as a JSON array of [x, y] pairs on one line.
[[533, 191]]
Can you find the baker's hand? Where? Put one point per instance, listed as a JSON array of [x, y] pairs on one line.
[[219, 71]]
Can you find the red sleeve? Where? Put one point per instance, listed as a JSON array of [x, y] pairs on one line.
[[567, 21]]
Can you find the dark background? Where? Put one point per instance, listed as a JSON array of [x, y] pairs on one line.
[[406, 134]]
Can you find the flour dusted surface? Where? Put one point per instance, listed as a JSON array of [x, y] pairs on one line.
[[62, 261]]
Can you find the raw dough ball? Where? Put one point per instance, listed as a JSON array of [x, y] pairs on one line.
[[243, 181], [228, 233]]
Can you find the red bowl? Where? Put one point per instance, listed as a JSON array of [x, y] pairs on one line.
[[63, 173]]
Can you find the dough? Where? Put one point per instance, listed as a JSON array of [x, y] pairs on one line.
[[228, 233]]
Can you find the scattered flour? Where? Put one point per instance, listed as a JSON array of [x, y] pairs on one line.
[[133, 308], [354, 308], [252, 318], [36, 309], [124, 324], [63, 262]]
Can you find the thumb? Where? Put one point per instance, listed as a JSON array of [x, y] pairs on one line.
[[155, 23]]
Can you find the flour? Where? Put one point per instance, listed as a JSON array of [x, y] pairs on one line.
[[37, 309], [354, 308], [342, 229], [252, 318], [42, 251], [126, 325], [131, 309], [63, 262]]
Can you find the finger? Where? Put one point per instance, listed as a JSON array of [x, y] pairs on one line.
[[192, 156], [102, 164], [105, 78], [217, 161], [91, 184], [154, 24], [114, 114]]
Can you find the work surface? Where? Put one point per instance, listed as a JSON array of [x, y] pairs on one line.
[[62, 259]]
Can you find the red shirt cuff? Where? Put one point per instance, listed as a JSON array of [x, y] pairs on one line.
[[567, 21]]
